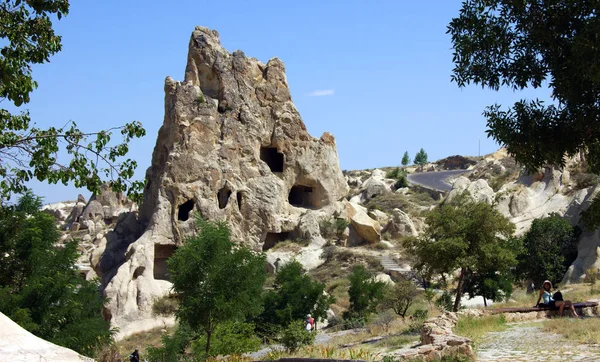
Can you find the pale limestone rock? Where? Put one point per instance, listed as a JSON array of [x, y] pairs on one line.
[[19, 345], [366, 228], [374, 186], [381, 217], [93, 210], [232, 147], [384, 278], [400, 225]]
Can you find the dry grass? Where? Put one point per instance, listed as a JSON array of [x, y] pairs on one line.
[[585, 331], [573, 292], [143, 340], [476, 328]]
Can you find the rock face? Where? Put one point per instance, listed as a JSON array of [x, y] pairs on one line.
[[232, 147], [19, 345], [362, 227]]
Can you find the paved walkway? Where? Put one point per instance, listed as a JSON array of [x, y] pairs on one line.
[[527, 342]]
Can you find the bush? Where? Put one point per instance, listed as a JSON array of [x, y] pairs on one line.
[[340, 226], [229, 338], [327, 228], [385, 320], [420, 314], [401, 182], [584, 180], [164, 306], [295, 336], [394, 174], [445, 301]]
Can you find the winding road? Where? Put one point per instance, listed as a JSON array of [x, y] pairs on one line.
[[434, 180]]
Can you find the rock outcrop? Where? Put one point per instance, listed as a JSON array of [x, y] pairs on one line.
[[19, 345], [232, 147]]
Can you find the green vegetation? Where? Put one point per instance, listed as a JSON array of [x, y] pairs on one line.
[[400, 297], [294, 336], [421, 158], [333, 228], [467, 236], [555, 44], [405, 159], [164, 306], [365, 293], [294, 296], [40, 287], [31, 153], [412, 203], [476, 328], [215, 282], [550, 248]]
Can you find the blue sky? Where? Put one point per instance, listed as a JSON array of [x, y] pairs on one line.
[[374, 74]]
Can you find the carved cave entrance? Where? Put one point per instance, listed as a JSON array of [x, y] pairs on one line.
[[273, 158], [301, 196], [273, 238], [161, 254], [223, 196], [183, 213]]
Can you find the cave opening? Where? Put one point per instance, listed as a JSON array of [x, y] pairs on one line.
[[161, 254], [184, 210], [239, 198], [272, 158], [301, 196], [223, 197], [273, 238]]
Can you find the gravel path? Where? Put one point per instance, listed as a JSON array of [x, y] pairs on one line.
[[527, 342]]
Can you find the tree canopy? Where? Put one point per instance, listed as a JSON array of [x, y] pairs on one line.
[[533, 44], [421, 158], [364, 292], [550, 247], [57, 154], [40, 288], [216, 281], [294, 296], [464, 235], [405, 159]]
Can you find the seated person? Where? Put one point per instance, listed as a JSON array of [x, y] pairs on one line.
[[550, 302]]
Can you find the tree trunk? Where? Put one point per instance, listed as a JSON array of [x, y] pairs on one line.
[[208, 334], [459, 290], [484, 302]]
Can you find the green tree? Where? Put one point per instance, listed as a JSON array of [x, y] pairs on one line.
[[40, 288], [215, 280], [490, 285], [421, 158], [550, 246], [294, 296], [533, 44], [467, 236], [405, 159], [365, 293], [400, 297], [28, 152]]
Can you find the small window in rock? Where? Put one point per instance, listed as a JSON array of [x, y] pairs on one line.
[[301, 196], [239, 197], [273, 238], [161, 254], [223, 196], [184, 210], [273, 158]]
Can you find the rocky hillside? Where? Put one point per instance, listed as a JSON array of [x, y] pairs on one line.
[[233, 147]]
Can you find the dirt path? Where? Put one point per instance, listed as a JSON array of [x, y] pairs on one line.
[[527, 342]]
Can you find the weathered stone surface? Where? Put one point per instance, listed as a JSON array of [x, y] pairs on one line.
[[400, 225], [366, 228], [232, 147], [19, 345]]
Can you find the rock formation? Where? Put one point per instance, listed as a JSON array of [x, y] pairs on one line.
[[232, 147], [19, 345]]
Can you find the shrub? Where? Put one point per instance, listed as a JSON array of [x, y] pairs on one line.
[[385, 320], [584, 180], [327, 228], [364, 292], [340, 226], [445, 301], [295, 336], [164, 306], [229, 338], [420, 314], [401, 182], [108, 353], [394, 174]]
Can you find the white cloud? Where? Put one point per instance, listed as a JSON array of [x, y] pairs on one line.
[[321, 92]]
